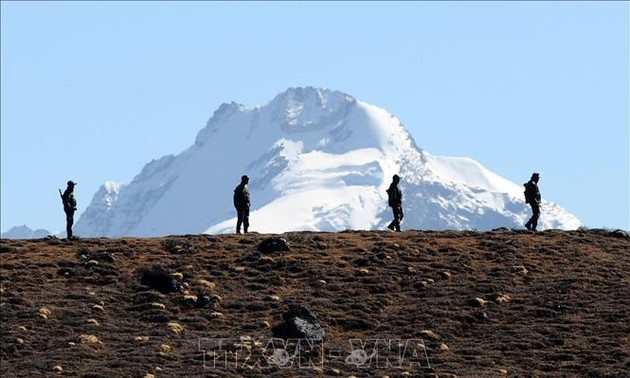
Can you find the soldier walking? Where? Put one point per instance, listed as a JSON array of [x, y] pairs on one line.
[[532, 197], [394, 199]]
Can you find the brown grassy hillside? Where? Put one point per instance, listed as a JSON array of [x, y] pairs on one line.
[[432, 304]]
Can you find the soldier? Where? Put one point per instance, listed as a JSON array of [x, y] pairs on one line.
[[242, 203], [532, 197], [69, 207], [394, 199]]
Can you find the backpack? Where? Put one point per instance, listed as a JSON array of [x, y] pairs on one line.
[[528, 192]]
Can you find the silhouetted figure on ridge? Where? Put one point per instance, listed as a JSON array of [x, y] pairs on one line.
[[532, 197], [242, 203], [394, 200], [69, 207]]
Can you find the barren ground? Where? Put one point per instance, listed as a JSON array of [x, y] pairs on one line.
[[417, 303]]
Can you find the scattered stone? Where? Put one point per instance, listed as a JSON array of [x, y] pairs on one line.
[[501, 298], [44, 312], [446, 275], [93, 258], [273, 244], [208, 284], [165, 348], [178, 276], [363, 272], [141, 338], [501, 229], [520, 269], [216, 314], [429, 334], [333, 372], [93, 322], [57, 368], [274, 298], [175, 327], [91, 263], [98, 307], [158, 305], [477, 302], [188, 300], [443, 347], [299, 323], [21, 328], [421, 285], [89, 339], [174, 246], [19, 341]]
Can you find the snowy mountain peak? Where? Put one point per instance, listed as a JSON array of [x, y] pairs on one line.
[[304, 109], [318, 160]]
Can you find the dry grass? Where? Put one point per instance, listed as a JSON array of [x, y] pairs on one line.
[[494, 304]]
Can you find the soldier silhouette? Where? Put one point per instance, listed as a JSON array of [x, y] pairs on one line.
[[394, 200], [69, 207], [532, 197], [242, 203]]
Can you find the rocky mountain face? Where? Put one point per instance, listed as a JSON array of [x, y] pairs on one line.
[[318, 160]]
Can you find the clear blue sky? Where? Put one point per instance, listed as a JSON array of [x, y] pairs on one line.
[[92, 91]]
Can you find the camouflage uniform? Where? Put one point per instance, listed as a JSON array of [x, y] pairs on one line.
[[242, 204]]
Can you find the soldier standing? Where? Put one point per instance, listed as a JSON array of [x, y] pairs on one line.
[[242, 203], [394, 199], [532, 197], [69, 207]]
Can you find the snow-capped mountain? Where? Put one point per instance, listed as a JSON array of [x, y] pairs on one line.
[[317, 160]]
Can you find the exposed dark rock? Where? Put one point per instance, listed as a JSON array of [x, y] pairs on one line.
[[273, 244], [299, 323], [159, 279]]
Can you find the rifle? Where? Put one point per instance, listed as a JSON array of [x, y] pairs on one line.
[[63, 201]]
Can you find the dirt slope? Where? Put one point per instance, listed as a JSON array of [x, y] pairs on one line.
[[432, 304]]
